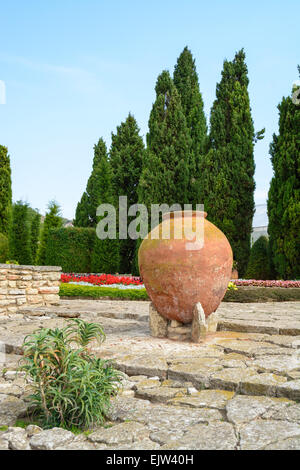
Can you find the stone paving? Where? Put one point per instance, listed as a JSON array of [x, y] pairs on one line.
[[238, 389]]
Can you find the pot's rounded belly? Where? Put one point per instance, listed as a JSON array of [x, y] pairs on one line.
[[176, 277]]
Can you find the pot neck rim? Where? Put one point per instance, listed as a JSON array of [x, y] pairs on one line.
[[182, 214]]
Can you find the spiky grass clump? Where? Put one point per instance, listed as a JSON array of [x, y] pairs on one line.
[[72, 388]]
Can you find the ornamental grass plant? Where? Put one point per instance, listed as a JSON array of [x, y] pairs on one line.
[[71, 387]]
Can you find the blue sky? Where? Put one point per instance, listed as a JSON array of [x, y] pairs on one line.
[[73, 69]]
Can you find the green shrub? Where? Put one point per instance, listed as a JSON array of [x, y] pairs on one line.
[[4, 248], [262, 294], [53, 220], [71, 248], [73, 290], [19, 235], [258, 265], [105, 256], [71, 387]]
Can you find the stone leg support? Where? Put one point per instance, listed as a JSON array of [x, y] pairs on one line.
[[158, 324], [202, 325], [160, 327]]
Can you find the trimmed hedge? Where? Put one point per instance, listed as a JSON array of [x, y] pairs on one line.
[[242, 295], [4, 248], [263, 294], [71, 248]]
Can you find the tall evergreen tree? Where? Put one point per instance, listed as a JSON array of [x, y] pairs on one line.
[[35, 235], [258, 265], [5, 191], [126, 158], [227, 182], [165, 175], [82, 215], [52, 220], [187, 84], [87, 207], [105, 257], [19, 236], [284, 193]]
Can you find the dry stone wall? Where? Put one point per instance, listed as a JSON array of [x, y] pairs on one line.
[[22, 286]]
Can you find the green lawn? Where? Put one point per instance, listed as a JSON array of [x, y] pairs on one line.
[[242, 294]]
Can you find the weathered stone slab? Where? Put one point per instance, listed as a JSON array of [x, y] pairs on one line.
[[205, 399], [11, 408], [123, 433], [231, 378], [290, 389], [262, 384], [260, 434], [243, 409], [160, 394], [214, 436], [51, 439], [291, 443], [17, 439]]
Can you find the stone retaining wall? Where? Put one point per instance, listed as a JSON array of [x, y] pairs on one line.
[[21, 286]]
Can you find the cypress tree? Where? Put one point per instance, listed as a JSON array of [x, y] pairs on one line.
[[126, 158], [81, 215], [258, 266], [35, 235], [5, 191], [227, 181], [52, 220], [105, 257], [284, 193], [19, 237], [165, 175], [87, 207], [187, 84]]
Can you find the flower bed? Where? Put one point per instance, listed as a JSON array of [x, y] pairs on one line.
[[257, 283], [101, 279], [133, 282]]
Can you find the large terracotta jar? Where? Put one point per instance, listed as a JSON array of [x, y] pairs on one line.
[[180, 271]]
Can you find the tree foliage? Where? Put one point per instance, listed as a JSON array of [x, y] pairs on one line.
[[52, 220], [4, 248], [105, 257], [19, 236], [284, 193], [187, 84], [71, 248], [165, 175], [258, 265], [227, 181], [35, 235], [87, 207], [5, 191], [126, 158]]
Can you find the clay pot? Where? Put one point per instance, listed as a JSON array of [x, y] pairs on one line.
[[178, 273]]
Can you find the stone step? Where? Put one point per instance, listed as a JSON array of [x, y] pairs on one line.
[[291, 329], [246, 381]]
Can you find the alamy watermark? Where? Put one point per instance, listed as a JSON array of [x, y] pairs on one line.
[[114, 224], [2, 92]]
